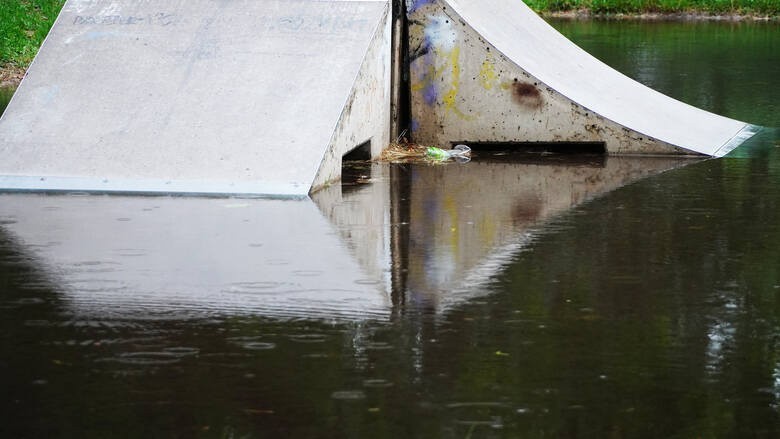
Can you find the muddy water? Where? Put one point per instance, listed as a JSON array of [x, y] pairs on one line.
[[513, 296]]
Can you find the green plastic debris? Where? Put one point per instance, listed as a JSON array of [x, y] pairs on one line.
[[461, 153], [436, 153]]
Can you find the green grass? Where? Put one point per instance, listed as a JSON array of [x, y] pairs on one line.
[[23, 26], [747, 7]]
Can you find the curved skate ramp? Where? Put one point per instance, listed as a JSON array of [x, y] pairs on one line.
[[496, 72]]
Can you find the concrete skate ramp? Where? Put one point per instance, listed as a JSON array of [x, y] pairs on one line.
[[258, 97], [494, 71]]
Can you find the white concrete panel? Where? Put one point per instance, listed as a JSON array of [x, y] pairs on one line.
[[204, 93]]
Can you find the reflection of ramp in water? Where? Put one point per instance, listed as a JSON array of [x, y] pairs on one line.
[[462, 236], [351, 254], [451, 228], [257, 97], [166, 256], [494, 71]]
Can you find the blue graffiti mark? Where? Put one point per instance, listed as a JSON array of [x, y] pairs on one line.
[[413, 5], [415, 125], [159, 19], [438, 41], [430, 93]]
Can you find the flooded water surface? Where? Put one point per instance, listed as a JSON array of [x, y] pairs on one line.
[[518, 295]]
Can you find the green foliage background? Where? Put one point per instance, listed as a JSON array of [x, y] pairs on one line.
[[23, 26], [757, 7]]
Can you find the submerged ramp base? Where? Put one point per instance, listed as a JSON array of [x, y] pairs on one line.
[[200, 97], [496, 72]]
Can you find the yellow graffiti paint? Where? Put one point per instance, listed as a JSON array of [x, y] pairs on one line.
[[452, 93], [450, 97], [487, 73]]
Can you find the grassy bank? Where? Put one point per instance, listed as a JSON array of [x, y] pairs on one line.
[[757, 8], [23, 26]]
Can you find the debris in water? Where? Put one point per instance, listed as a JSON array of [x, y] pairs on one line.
[[461, 153], [410, 152], [402, 152]]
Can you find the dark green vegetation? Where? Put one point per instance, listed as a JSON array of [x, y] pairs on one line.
[[746, 7], [687, 60], [5, 97], [23, 26]]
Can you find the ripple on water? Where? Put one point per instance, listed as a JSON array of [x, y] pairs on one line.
[[30, 301], [348, 395], [259, 346], [130, 252], [379, 346], [308, 273], [316, 355], [367, 282], [183, 351], [168, 355], [377, 383], [308, 338], [160, 358], [488, 414], [35, 286], [97, 285], [257, 288], [479, 405], [96, 267], [252, 343], [22, 302]]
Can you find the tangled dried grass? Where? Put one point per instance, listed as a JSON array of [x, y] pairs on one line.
[[403, 152]]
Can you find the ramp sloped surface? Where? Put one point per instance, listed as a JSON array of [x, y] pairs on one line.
[[196, 96]]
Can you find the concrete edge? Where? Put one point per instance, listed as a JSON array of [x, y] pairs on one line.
[[382, 26], [256, 189], [742, 136]]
